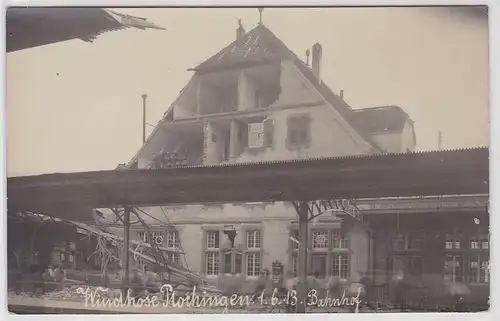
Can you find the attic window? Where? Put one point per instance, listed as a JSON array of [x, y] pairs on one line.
[[299, 131]]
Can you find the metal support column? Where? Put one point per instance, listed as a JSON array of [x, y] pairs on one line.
[[144, 123], [126, 249], [302, 259]]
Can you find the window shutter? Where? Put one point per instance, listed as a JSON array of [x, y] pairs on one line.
[[238, 263], [243, 135], [255, 135], [268, 132], [257, 99]]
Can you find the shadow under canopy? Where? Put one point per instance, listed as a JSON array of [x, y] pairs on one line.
[[410, 174]]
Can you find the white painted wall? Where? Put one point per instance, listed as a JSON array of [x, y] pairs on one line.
[[389, 141], [246, 92], [396, 141], [407, 139]]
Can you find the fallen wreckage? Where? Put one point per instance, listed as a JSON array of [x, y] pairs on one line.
[[108, 245]]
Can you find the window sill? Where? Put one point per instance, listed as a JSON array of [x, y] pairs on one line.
[[403, 251], [295, 147], [212, 276], [255, 150]]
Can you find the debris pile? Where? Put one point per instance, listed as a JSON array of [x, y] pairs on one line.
[[66, 294]]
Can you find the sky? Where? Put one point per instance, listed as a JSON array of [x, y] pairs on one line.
[[76, 106]]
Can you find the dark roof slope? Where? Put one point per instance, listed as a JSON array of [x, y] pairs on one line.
[[256, 46]]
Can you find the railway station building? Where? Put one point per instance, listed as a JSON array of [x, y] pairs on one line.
[[256, 100]]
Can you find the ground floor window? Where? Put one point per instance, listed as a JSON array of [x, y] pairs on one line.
[[318, 265], [329, 253], [173, 240], [174, 257], [479, 268], [233, 262], [143, 236], [227, 259], [340, 266], [212, 263], [453, 268], [407, 266], [253, 264], [142, 264], [467, 261]]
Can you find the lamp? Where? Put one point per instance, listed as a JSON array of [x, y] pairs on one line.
[[231, 233]]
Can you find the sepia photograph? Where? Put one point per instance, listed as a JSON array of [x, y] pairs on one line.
[[247, 160]]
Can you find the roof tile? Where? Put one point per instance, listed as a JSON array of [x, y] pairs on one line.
[[257, 45]]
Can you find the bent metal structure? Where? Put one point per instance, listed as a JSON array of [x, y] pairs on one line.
[[39, 26], [314, 186]]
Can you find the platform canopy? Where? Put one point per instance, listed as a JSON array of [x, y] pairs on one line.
[[39, 26], [410, 174]]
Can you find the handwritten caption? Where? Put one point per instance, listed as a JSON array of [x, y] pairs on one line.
[[169, 298]]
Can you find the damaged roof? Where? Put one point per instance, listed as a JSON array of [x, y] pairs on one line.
[[38, 26], [381, 119], [377, 120], [261, 46]]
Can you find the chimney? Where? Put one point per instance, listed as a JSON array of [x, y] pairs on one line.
[[342, 94], [240, 32], [317, 53]]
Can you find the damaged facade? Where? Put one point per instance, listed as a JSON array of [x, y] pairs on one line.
[[256, 101]]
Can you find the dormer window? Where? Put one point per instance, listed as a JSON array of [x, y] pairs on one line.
[[299, 131]]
